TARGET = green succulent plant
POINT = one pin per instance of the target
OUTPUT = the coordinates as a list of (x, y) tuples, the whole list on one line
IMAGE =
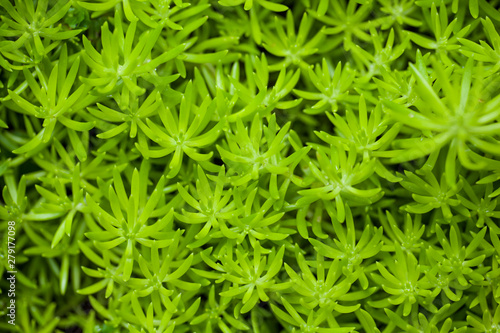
[(249, 166)]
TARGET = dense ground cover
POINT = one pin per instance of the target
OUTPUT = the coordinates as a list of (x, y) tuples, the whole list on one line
[(250, 166)]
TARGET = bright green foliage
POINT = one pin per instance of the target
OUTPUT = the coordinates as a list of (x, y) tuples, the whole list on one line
[(325, 289), (34, 28), (248, 4), (216, 314), (408, 236), (293, 46), (127, 224), (446, 34), (256, 94), (59, 202), (335, 174), (347, 21), (382, 57), (457, 120), (213, 206), (332, 89), (182, 133), (314, 322), (57, 103), (119, 64), (402, 281), (457, 256), (264, 166), (482, 51), (248, 278), (429, 194), (352, 252), (247, 156), (368, 133)]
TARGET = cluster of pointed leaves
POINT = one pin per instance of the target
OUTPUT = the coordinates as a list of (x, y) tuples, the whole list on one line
[(251, 165)]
